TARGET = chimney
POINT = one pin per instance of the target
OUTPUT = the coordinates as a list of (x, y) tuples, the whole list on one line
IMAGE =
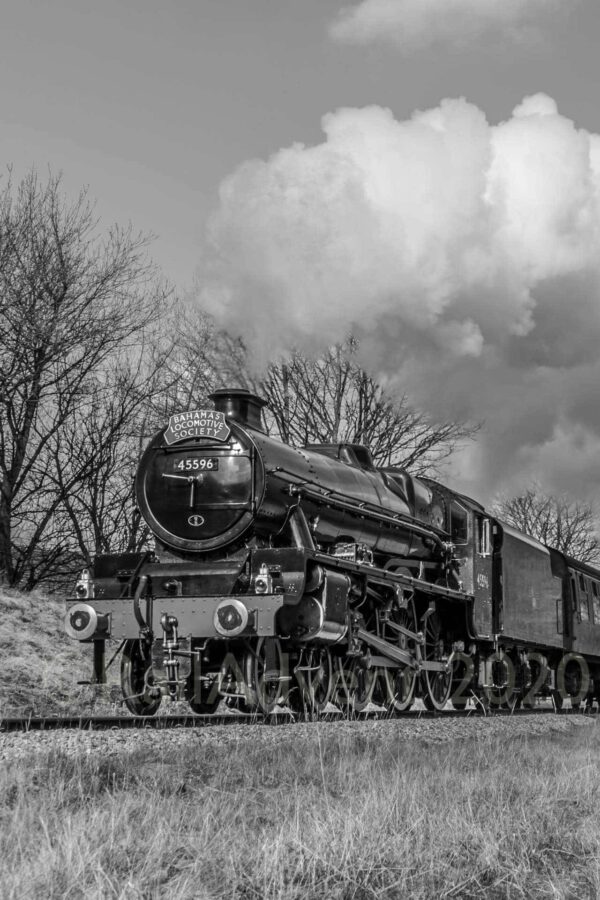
[(240, 405)]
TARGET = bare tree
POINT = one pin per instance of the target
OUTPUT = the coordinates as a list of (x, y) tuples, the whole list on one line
[(96, 451), (333, 399), (201, 358), (567, 525), (323, 400), (73, 302)]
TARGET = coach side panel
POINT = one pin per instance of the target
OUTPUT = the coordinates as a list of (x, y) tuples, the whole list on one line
[(529, 599), (584, 595)]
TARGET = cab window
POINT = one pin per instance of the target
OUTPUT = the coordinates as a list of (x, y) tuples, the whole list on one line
[(484, 543), (459, 523)]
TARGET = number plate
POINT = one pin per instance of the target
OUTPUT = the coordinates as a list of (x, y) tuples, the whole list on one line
[(197, 464)]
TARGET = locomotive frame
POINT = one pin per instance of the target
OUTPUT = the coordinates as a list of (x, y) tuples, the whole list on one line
[(309, 576)]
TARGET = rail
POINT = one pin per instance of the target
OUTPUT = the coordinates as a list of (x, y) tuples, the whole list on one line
[(280, 717)]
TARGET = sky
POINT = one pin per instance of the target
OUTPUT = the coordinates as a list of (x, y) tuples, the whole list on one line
[(425, 173)]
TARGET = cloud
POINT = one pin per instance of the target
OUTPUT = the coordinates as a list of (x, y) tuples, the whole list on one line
[(464, 255), (418, 23)]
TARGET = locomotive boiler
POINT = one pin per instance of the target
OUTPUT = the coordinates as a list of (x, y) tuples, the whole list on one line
[(307, 576)]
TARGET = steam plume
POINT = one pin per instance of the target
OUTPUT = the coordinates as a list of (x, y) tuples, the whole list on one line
[(465, 257)]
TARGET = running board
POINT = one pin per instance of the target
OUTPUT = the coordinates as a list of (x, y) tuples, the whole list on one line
[(385, 577)]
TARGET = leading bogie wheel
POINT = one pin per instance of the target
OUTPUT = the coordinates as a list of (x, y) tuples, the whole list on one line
[(262, 669), (202, 696), (314, 682), (140, 696)]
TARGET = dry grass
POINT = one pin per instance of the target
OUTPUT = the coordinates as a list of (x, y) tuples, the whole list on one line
[(333, 816), (39, 665), (339, 816)]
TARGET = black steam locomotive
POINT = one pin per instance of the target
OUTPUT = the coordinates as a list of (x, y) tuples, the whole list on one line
[(309, 576)]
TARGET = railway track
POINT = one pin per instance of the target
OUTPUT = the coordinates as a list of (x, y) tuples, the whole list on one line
[(107, 723)]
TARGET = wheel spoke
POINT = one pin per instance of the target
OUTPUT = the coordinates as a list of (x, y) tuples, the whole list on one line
[(320, 681), (314, 682), (262, 673), (354, 684), (362, 685), (436, 686), (399, 684)]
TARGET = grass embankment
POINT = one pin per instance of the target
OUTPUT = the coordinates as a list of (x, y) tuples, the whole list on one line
[(333, 816), (40, 666)]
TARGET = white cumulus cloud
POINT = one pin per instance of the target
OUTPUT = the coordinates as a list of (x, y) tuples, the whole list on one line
[(464, 255), (417, 23)]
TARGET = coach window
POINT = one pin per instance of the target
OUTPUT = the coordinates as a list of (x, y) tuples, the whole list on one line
[(459, 523), (596, 602), (484, 543), (584, 615), (574, 602)]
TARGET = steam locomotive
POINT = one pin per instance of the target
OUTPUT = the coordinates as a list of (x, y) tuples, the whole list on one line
[(306, 576)]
